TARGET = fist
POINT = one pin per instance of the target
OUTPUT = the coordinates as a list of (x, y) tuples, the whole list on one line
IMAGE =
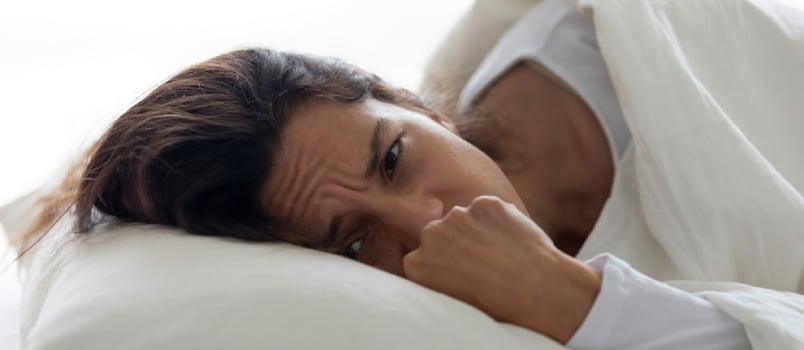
[(495, 258)]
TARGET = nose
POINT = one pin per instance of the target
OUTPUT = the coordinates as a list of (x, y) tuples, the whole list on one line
[(408, 213)]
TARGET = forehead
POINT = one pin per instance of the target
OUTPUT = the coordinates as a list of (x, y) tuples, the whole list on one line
[(331, 135), (324, 127), (322, 159)]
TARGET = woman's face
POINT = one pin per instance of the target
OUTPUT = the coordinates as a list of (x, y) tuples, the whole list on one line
[(365, 178)]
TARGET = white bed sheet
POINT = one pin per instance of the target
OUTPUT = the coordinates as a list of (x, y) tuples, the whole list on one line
[(9, 298)]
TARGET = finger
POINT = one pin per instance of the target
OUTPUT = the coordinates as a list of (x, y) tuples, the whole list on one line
[(488, 209), (492, 208), (411, 265), (457, 224), (436, 275)]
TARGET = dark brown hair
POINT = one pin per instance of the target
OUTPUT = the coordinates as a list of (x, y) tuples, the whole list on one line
[(196, 151)]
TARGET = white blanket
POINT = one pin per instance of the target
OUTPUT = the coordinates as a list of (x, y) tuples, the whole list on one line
[(710, 191)]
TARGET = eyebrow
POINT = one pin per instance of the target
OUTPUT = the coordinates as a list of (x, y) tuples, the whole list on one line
[(374, 148)]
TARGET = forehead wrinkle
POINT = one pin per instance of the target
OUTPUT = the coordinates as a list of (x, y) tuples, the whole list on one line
[(320, 159), (289, 185), (315, 171), (305, 184), (333, 185)]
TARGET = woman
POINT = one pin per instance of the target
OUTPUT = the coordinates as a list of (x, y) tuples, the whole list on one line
[(269, 146)]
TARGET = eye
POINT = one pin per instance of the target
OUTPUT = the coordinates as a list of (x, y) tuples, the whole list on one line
[(391, 158), (354, 249)]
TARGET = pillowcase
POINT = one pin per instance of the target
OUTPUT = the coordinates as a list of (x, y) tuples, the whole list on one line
[(17, 215), (131, 286)]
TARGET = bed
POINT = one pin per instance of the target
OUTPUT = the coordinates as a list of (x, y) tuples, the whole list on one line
[(708, 198), (9, 298)]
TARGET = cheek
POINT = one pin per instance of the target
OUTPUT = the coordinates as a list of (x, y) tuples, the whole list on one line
[(452, 167), (475, 171), (386, 256), (464, 160), (460, 169)]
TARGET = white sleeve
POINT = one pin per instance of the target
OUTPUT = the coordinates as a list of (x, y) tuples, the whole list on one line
[(633, 311)]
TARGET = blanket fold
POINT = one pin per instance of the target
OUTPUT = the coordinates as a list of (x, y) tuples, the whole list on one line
[(713, 93)]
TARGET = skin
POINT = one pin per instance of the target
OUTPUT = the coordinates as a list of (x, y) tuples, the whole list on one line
[(552, 149), (323, 177), (439, 211)]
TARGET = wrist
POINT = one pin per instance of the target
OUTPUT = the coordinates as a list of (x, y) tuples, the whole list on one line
[(587, 282), (574, 288)]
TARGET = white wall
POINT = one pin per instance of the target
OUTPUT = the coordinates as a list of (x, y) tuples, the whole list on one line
[(68, 67)]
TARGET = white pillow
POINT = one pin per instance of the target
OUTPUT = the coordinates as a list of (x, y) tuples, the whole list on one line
[(16, 216), (149, 287)]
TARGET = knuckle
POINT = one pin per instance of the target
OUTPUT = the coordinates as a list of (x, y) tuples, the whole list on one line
[(456, 213), (431, 226), (487, 204)]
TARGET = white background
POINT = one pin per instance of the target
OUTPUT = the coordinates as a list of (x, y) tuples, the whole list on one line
[(67, 68)]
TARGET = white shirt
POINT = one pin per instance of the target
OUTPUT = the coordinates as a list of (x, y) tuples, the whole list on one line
[(632, 311), (562, 40)]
